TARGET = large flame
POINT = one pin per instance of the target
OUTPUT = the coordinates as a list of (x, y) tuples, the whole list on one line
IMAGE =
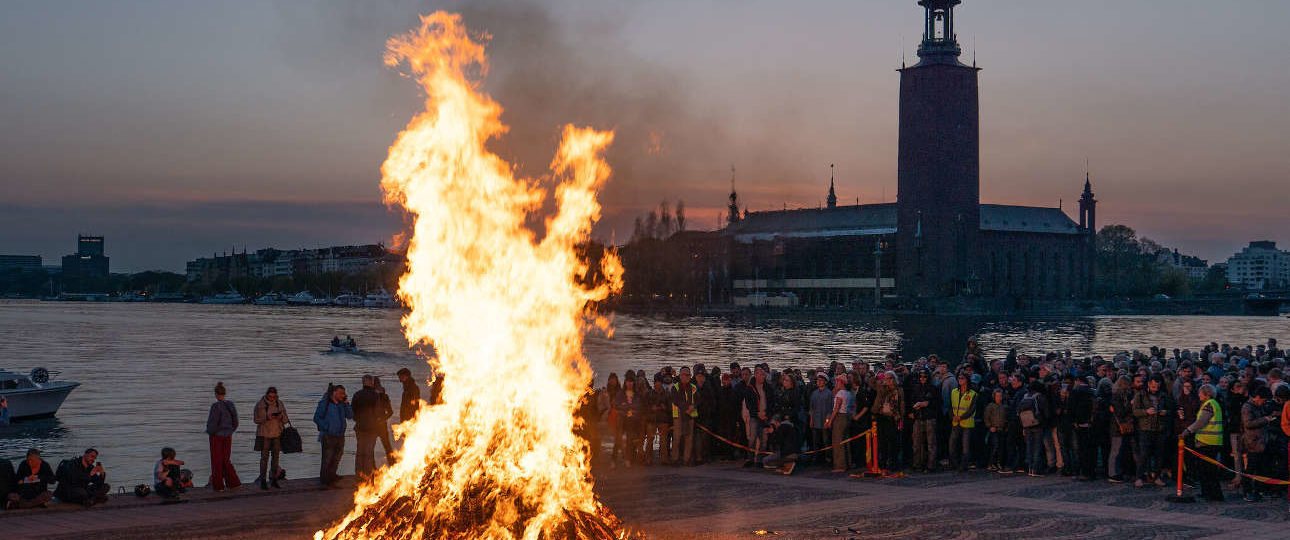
[(503, 308)]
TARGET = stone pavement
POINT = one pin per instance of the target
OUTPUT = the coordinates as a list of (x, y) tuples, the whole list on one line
[(724, 501)]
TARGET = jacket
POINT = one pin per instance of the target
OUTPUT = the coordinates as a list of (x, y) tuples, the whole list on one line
[(683, 398), (787, 402), (996, 416), (1146, 400), (706, 401), (889, 402), (330, 417), (786, 440), (367, 411), (267, 425), (222, 420), (1254, 418), (72, 473), (44, 477), (752, 397), (928, 393), (821, 407), (410, 401), (629, 408), (1082, 406)]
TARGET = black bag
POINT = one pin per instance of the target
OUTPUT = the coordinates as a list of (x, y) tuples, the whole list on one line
[(259, 443), (291, 443)]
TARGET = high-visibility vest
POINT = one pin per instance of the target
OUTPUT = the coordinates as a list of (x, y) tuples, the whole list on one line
[(959, 406), (1211, 434), (676, 411)]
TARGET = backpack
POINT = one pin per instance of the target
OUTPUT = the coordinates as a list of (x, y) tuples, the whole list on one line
[(1028, 411)]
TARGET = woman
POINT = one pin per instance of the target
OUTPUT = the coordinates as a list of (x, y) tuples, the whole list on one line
[(629, 410), (837, 422), (270, 417), (607, 403), (221, 422), (1121, 409)]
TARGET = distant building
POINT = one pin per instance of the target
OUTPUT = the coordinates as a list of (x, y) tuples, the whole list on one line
[(271, 262), (24, 263), (1195, 267), (1259, 266), (937, 240), (89, 260)]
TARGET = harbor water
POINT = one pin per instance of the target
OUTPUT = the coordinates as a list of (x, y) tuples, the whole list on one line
[(147, 370)]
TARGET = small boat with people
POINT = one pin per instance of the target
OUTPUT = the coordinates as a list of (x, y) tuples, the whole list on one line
[(33, 395), (346, 345), (229, 297)]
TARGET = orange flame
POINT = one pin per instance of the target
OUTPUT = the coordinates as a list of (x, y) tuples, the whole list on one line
[(503, 309)]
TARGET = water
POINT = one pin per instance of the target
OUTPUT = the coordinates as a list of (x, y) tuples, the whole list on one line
[(147, 370)]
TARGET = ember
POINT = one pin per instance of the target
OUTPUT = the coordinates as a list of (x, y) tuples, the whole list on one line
[(499, 458)]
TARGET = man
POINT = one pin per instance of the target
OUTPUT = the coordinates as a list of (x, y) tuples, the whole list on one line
[(1081, 413), (785, 442), (33, 478), (1150, 408), (330, 417), (962, 421), (757, 399), (81, 480), (1208, 429), (1255, 418), (706, 403), (367, 427), (684, 412), (821, 407), (410, 403), (889, 406), (925, 402)]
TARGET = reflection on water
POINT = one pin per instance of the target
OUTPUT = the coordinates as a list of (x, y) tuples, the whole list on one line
[(147, 370)]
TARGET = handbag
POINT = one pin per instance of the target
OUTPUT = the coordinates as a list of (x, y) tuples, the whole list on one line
[(291, 443), (1126, 428)]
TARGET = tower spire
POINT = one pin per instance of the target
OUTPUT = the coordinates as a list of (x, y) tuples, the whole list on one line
[(940, 43), (733, 218), (832, 200)]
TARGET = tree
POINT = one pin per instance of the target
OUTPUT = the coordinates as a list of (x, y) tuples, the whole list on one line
[(1127, 265), (664, 221)]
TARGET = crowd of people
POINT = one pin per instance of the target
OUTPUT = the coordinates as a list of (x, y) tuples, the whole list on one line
[(1116, 418), (81, 480)]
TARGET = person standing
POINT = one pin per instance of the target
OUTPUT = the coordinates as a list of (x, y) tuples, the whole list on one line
[(367, 424), (889, 406), (1255, 418), (1151, 408), (330, 417), (706, 403), (684, 412), (1208, 429), (925, 407), (385, 411), (821, 409), (221, 422), (837, 423), (1082, 413), (270, 417), (963, 408), (410, 402)]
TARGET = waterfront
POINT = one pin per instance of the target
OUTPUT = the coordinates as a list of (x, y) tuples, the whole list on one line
[(147, 370)]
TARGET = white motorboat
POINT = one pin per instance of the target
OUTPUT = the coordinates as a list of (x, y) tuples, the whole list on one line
[(271, 299), (381, 299), (348, 300), (33, 395), (230, 297), (302, 298), (320, 302)]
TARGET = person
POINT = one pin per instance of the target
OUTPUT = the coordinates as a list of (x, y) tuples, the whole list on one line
[(757, 399), (82, 480), (270, 418), (8, 482), (684, 412), (1208, 429), (4, 411), (630, 414), (410, 402), (837, 423), (1151, 409), (785, 443), (706, 404), (221, 422), (1082, 412), (367, 427), (335, 341), (821, 410), (166, 475), (996, 421), (386, 411), (889, 406), (330, 417), (33, 478), (349, 344), (1255, 418), (1031, 412), (963, 408), (925, 405)]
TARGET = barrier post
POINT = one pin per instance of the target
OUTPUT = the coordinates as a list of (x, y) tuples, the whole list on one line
[(873, 471), (1178, 496)]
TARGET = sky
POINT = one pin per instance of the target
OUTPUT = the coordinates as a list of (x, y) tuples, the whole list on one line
[(179, 128)]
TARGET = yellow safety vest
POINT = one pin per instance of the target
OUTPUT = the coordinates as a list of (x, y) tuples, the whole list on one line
[(959, 405), (1211, 434), (676, 411)]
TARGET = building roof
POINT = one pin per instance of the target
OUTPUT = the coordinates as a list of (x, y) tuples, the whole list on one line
[(1031, 219), (872, 219), (858, 220)]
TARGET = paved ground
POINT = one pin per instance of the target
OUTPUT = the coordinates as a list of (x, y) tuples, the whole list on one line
[(724, 501)]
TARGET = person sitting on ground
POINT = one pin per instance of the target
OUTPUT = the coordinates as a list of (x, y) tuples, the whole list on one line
[(33, 478), (166, 475), (8, 483), (785, 444), (81, 480)]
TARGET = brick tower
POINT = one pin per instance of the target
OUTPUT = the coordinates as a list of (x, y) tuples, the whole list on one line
[(938, 171)]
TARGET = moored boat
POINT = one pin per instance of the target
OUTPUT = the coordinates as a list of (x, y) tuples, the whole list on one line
[(33, 395), (230, 297)]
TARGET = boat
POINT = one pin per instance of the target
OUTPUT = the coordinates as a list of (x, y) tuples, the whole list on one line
[(348, 300), (33, 395), (344, 348), (271, 299), (320, 302), (302, 298), (230, 297), (382, 299)]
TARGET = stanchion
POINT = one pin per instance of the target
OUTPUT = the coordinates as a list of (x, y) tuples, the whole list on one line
[(874, 471), (1178, 496)]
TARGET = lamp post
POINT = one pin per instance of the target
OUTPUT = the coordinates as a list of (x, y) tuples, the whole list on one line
[(877, 273)]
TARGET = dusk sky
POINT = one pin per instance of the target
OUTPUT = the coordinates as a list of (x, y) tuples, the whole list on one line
[(182, 128)]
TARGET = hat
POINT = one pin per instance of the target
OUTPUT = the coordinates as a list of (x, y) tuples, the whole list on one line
[(822, 375), (976, 378)]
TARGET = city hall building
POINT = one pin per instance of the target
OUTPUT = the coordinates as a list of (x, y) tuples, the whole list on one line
[(937, 240)]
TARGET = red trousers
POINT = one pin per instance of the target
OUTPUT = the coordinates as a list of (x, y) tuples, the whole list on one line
[(222, 472)]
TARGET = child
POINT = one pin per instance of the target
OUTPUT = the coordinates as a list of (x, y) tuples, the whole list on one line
[(166, 474), (996, 420)]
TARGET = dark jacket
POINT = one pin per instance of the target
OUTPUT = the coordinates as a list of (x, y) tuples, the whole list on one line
[(411, 400), (788, 401), (1146, 400), (629, 408), (1254, 418), (222, 420), (367, 411), (786, 439), (72, 474), (706, 401), (1081, 405), (752, 397), (7, 481), (925, 392), (44, 477)]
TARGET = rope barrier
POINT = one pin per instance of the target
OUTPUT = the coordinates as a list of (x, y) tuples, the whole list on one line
[(754, 451), (1254, 477)]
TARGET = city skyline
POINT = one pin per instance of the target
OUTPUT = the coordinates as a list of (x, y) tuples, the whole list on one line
[(182, 129)]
